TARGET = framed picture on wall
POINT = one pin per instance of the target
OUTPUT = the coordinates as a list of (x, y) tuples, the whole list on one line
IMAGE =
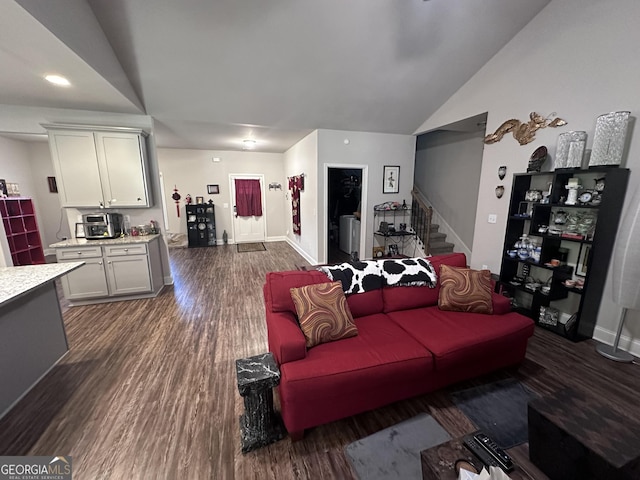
[(391, 179), (53, 186), (213, 189)]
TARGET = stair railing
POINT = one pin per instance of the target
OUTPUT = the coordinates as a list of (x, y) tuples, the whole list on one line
[(421, 215)]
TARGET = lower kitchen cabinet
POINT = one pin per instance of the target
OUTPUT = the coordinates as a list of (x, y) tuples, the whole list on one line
[(128, 275), (87, 281), (112, 272)]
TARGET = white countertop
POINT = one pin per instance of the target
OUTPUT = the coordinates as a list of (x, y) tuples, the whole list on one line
[(83, 242), (17, 281)]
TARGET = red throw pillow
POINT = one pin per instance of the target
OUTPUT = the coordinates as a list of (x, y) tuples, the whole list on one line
[(465, 290), (323, 313)]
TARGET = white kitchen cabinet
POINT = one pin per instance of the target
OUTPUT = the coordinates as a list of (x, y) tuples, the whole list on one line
[(113, 270), (105, 169), (88, 281), (127, 269), (128, 275)]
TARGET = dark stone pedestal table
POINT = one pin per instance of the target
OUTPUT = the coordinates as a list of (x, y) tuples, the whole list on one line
[(260, 425)]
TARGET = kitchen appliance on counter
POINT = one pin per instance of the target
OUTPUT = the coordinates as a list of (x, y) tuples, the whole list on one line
[(102, 225)]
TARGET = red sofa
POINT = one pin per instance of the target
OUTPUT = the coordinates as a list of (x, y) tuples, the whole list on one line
[(406, 346)]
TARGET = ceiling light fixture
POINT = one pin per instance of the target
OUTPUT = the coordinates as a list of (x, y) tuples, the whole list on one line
[(248, 144), (58, 80)]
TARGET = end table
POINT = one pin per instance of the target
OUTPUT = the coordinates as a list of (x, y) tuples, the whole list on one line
[(260, 425)]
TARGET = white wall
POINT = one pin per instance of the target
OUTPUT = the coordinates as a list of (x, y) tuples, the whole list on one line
[(192, 170), (448, 166), (374, 150), (15, 167), (52, 218), (577, 58), (299, 159)]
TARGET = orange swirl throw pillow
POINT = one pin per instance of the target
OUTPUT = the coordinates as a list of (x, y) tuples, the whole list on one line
[(465, 290), (323, 313)]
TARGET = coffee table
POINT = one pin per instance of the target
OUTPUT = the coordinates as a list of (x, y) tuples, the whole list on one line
[(438, 462), (576, 435)]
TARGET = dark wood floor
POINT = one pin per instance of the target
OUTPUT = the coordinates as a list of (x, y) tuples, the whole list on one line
[(148, 388)]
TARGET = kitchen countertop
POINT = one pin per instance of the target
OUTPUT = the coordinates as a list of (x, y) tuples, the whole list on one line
[(18, 281), (83, 242)]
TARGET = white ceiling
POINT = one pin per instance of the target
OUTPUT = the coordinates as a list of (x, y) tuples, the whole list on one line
[(213, 72)]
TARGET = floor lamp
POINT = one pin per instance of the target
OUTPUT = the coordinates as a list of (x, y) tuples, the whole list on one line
[(626, 275)]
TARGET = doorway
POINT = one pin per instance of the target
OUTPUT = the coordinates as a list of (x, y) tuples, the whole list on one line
[(249, 228), (344, 195)]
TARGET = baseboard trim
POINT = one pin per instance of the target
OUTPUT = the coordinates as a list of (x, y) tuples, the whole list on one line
[(304, 254), (276, 239), (626, 343)]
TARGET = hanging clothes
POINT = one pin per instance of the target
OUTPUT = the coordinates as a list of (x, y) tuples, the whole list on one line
[(296, 185), (248, 198)]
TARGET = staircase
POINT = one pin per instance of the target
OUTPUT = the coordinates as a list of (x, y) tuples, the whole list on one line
[(421, 214), (438, 244)]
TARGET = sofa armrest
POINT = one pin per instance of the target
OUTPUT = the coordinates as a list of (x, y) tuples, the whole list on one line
[(286, 340), (501, 304)]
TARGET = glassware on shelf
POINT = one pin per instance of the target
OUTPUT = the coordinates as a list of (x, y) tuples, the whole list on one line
[(524, 248)]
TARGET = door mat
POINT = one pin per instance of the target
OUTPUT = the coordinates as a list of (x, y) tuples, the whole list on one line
[(499, 409), (251, 247), (394, 453)]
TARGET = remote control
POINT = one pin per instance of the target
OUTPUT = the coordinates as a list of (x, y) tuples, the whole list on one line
[(488, 451)]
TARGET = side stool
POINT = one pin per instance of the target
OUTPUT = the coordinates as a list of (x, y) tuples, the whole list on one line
[(260, 425)]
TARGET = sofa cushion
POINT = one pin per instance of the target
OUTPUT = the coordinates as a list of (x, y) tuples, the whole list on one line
[(408, 272), (363, 304), (402, 298), (381, 365), (465, 290), (323, 313), (356, 277), (279, 284), (459, 338)]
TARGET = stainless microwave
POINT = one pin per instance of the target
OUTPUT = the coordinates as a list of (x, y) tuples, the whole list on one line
[(102, 225)]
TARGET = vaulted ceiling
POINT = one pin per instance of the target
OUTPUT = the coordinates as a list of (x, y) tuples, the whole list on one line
[(214, 72)]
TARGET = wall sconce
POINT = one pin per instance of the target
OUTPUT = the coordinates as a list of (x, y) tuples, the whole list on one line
[(275, 186)]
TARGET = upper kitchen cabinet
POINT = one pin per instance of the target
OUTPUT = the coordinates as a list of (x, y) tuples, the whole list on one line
[(100, 168)]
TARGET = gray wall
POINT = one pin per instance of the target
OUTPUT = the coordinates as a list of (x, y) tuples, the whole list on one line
[(447, 171)]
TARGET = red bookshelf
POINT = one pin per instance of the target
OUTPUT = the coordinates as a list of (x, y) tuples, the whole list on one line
[(21, 227)]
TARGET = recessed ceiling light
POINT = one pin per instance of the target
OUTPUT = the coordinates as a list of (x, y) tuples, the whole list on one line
[(57, 80), (248, 144)]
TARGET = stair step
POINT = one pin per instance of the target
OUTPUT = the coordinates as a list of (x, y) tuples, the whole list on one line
[(434, 227), (437, 237), (437, 248)]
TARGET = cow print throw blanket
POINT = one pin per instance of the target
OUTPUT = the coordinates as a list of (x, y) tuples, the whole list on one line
[(408, 272), (356, 277), (359, 277)]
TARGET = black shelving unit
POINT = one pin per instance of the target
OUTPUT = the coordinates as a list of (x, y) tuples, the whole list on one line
[(201, 225), (397, 236), (588, 256)]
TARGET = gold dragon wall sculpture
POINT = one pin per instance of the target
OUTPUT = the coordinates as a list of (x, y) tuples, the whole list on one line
[(524, 132)]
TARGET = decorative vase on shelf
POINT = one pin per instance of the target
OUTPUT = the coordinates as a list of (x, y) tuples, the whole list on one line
[(570, 150), (537, 159), (609, 139)]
